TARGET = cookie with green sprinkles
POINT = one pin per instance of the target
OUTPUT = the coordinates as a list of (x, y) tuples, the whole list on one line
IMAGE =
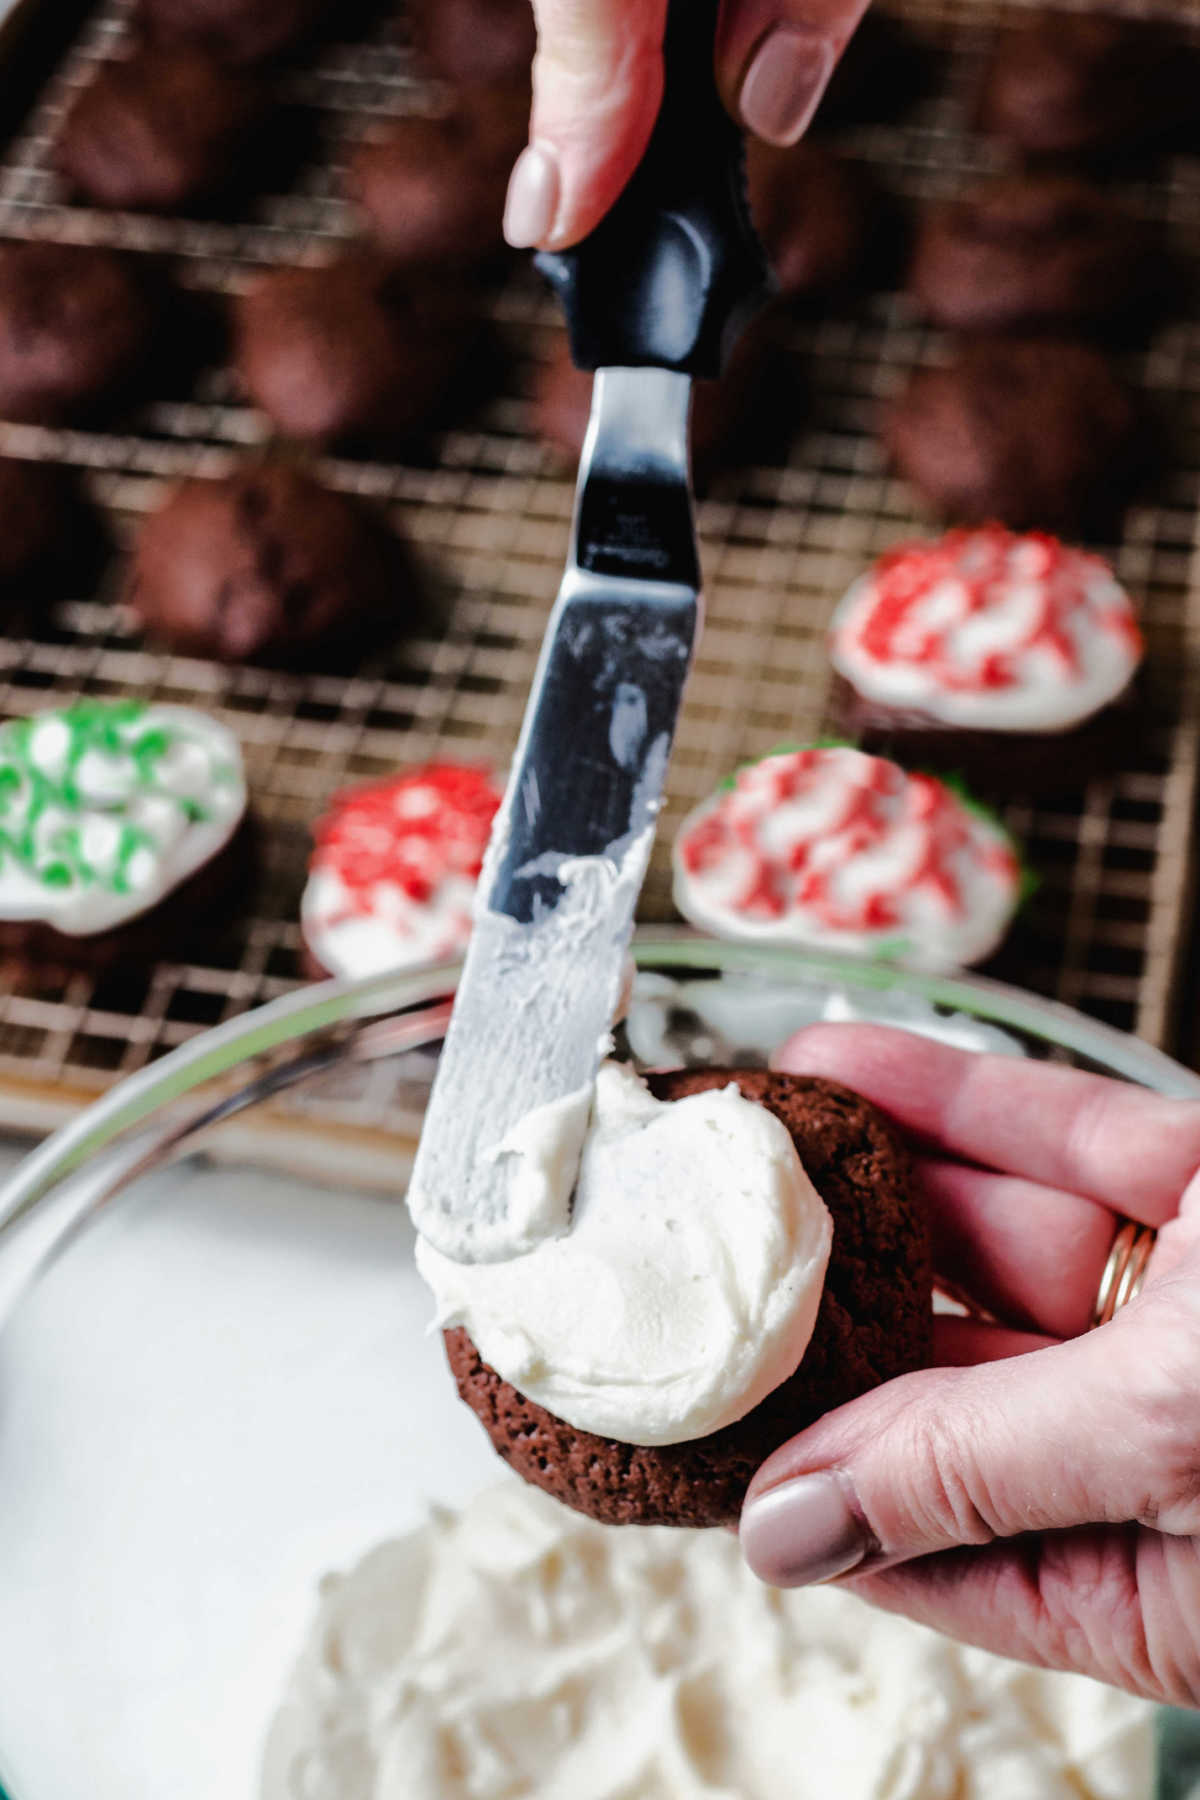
[(119, 821)]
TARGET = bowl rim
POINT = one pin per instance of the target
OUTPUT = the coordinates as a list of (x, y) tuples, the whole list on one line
[(328, 1004), (423, 995)]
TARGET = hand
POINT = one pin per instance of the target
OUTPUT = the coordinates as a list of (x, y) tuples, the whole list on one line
[(1039, 1492), (597, 84)]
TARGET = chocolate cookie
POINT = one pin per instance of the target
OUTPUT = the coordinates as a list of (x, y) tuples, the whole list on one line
[(77, 324), (996, 766), (813, 212), (236, 31), (126, 822), (393, 872), (883, 70), (1084, 83), (1030, 432), (875, 1322), (475, 40), (1034, 252), (433, 188), (162, 130), (265, 563), (200, 909), (1005, 659), (725, 413), (35, 508), (350, 351)]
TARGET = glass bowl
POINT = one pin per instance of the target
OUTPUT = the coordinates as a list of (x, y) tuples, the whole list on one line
[(216, 1379)]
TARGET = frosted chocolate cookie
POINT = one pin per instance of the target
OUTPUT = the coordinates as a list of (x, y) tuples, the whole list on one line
[(118, 823), (351, 352), (77, 326), (265, 563), (235, 31), (840, 850), (988, 654), (745, 1253), (163, 130), (432, 188), (1033, 432), (394, 868), (1037, 252)]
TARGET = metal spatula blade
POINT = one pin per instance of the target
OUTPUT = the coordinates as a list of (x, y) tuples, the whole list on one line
[(651, 299), (569, 851)]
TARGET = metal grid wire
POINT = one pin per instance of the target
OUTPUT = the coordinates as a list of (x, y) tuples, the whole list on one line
[(488, 519)]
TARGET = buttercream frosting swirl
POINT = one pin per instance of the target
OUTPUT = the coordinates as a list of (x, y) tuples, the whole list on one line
[(687, 1285)]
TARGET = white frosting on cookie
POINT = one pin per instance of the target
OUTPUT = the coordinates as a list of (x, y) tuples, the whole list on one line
[(834, 848), (107, 806), (988, 630), (393, 876), (687, 1285)]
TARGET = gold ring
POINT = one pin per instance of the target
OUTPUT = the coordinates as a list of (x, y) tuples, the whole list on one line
[(1125, 1270)]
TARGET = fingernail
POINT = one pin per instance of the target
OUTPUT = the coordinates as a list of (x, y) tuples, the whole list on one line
[(784, 83), (802, 1531), (532, 200)]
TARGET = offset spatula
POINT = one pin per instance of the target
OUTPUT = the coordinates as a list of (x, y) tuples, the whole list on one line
[(653, 298)]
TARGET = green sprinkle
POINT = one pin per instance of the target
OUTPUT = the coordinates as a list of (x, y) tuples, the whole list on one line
[(27, 792)]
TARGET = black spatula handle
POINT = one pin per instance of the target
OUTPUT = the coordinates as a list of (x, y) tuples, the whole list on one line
[(671, 274)]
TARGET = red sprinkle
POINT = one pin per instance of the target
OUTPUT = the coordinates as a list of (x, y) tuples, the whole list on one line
[(903, 579), (414, 831), (804, 870)]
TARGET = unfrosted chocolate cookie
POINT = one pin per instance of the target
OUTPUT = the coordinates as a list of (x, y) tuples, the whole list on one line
[(164, 129), (237, 31), (875, 1322), (725, 413), (1033, 252), (77, 324), (350, 351), (433, 188), (883, 70), (263, 564), (1030, 432), (35, 513), (1065, 84), (475, 40), (814, 213)]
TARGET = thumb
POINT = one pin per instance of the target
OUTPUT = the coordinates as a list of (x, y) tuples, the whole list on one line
[(597, 87), (1087, 1432)]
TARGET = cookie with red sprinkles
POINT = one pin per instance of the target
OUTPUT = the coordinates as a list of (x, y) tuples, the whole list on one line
[(394, 869), (1007, 657), (830, 847)]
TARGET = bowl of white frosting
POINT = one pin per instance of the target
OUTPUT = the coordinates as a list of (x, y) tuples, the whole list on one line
[(252, 1547)]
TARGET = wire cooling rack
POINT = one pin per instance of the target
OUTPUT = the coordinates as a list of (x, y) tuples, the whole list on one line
[(488, 516)]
